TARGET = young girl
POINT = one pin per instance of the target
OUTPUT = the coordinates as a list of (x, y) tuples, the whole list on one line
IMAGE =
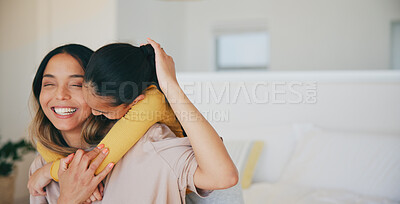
[(122, 86)]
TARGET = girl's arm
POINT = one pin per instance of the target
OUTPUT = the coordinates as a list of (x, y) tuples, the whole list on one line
[(215, 167), (38, 180), (128, 130), (50, 157)]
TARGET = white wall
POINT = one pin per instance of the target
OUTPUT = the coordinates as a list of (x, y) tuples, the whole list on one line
[(17, 64), (308, 34), (29, 30), (162, 21), (91, 23)]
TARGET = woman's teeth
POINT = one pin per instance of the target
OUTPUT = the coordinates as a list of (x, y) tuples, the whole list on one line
[(64, 111)]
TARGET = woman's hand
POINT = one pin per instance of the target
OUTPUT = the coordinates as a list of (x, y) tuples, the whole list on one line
[(165, 67), (77, 181), (40, 179)]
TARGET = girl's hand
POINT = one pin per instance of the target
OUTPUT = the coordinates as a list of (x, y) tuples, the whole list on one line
[(165, 67), (97, 195), (77, 181), (38, 180)]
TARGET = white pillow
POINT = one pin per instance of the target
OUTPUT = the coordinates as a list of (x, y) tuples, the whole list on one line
[(368, 164), (279, 143), (245, 155)]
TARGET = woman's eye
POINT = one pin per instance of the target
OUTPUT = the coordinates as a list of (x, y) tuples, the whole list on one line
[(77, 85), (46, 85)]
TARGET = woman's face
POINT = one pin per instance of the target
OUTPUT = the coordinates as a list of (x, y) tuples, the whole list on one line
[(101, 105), (61, 96)]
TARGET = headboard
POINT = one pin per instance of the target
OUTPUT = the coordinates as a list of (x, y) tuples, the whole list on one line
[(246, 102)]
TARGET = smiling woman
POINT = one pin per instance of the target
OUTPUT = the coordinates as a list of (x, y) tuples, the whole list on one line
[(60, 108), (61, 95)]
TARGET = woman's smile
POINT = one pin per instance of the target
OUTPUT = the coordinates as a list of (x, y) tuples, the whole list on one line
[(64, 111)]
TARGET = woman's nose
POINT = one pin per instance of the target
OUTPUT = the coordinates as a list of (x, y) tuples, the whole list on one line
[(63, 93)]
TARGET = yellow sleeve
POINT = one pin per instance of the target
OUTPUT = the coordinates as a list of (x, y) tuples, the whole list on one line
[(129, 129), (50, 156)]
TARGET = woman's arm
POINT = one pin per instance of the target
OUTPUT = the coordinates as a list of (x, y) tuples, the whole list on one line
[(215, 167)]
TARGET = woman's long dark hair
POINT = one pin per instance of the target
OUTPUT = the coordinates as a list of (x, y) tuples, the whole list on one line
[(121, 72), (41, 129)]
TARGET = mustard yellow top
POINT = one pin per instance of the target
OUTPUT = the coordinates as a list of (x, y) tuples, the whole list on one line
[(128, 130)]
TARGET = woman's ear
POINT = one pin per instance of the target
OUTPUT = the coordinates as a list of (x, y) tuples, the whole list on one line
[(137, 99)]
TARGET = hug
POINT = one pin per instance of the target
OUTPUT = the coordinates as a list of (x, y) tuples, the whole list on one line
[(109, 128)]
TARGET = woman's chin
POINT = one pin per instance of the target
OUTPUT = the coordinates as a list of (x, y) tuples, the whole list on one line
[(66, 126)]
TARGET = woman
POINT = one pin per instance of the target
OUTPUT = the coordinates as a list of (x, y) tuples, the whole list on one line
[(210, 168), (58, 86)]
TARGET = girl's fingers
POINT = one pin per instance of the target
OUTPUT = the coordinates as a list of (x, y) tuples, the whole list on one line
[(156, 46), (34, 193), (38, 193), (101, 188), (64, 162), (97, 194), (88, 200), (92, 198), (41, 192)]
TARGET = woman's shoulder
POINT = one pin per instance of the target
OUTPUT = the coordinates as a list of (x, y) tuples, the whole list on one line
[(162, 140), (159, 132)]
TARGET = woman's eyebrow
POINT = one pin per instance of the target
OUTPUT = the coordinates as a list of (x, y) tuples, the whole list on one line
[(71, 76), (48, 75), (76, 76)]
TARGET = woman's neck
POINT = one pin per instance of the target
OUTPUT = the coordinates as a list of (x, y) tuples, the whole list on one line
[(74, 138)]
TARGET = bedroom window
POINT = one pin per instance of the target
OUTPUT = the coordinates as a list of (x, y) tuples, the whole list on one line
[(242, 50)]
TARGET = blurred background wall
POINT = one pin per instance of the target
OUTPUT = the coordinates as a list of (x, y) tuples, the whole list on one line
[(29, 30), (304, 35)]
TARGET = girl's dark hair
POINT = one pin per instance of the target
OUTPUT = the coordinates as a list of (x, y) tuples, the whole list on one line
[(41, 128), (121, 71)]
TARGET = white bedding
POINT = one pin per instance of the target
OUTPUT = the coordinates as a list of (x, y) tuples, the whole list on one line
[(285, 193)]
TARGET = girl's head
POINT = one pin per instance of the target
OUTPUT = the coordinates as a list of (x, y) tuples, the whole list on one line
[(116, 76), (60, 107)]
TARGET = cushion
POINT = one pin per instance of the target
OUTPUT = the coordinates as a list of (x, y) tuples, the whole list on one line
[(364, 163), (279, 142), (245, 155)]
